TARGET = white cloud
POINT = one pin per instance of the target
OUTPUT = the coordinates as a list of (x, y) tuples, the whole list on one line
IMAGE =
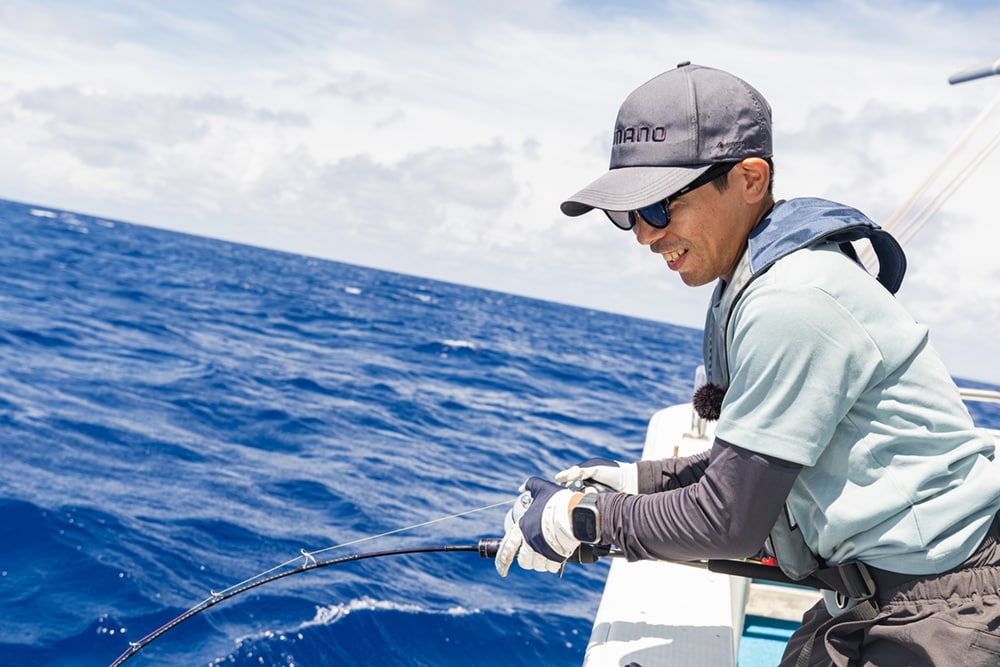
[(438, 137)]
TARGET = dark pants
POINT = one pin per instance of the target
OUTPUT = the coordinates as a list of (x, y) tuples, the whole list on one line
[(944, 620)]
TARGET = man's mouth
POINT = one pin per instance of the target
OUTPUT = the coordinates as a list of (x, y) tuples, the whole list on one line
[(673, 256)]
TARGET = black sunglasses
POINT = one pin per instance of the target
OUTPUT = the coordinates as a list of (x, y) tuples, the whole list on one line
[(658, 214)]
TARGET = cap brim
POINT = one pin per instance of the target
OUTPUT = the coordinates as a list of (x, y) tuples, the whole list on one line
[(631, 188)]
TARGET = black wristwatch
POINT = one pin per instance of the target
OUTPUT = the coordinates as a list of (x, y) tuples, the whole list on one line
[(587, 520)]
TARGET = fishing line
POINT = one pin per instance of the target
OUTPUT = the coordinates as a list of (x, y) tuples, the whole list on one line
[(485, 548)]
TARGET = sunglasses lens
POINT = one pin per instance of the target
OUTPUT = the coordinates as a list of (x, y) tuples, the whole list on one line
[(656, 214), (622, 219)]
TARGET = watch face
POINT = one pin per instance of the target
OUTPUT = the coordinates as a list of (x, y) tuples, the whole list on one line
[(585, 524)]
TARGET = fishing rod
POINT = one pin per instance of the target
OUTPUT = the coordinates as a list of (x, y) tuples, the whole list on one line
[(486, 547)]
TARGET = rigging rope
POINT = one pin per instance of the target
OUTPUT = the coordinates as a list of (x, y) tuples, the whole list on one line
[(917, 222), (867, 254)]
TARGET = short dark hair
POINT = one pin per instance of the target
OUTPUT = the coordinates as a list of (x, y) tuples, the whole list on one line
[(722, 182)]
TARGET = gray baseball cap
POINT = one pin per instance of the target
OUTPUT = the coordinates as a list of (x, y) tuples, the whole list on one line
[(670, 130)]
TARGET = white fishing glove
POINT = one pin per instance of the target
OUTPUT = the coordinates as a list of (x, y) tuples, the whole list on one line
[(538, 530), (513, 538), (616, 476)]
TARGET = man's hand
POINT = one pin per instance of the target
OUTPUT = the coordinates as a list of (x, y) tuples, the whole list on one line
[(616, 476), (538, 529)]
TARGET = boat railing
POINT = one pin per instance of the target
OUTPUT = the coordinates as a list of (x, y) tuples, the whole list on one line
[(982, 396)]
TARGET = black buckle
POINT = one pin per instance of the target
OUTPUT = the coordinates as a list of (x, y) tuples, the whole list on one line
[(857, 580)]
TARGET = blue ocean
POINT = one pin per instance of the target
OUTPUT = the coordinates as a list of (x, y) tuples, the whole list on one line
[(180, 414)]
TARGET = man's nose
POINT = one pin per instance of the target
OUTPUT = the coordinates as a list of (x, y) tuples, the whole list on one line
[(646, 233)]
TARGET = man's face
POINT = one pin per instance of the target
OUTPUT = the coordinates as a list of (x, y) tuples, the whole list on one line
[(706, 235)]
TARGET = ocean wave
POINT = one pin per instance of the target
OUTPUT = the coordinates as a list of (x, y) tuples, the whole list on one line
[(333, 613)]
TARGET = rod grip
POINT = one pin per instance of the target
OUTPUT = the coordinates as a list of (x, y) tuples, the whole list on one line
[(586, 553)]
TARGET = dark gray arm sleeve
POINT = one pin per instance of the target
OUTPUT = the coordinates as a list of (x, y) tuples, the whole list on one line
[(656, 476), (727, 512)]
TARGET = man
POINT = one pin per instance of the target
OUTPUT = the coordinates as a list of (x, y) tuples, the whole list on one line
[(841, 440)]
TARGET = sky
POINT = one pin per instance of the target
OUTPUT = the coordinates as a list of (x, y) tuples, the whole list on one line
[(438, 137)]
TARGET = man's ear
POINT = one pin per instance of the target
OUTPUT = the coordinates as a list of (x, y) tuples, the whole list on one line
[(754, 179)]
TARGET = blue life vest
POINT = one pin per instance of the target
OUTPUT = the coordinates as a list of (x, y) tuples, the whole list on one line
[(793, 225)]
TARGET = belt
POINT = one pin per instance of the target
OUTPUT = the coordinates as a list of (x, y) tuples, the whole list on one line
[(859, 581), (852, 580)]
